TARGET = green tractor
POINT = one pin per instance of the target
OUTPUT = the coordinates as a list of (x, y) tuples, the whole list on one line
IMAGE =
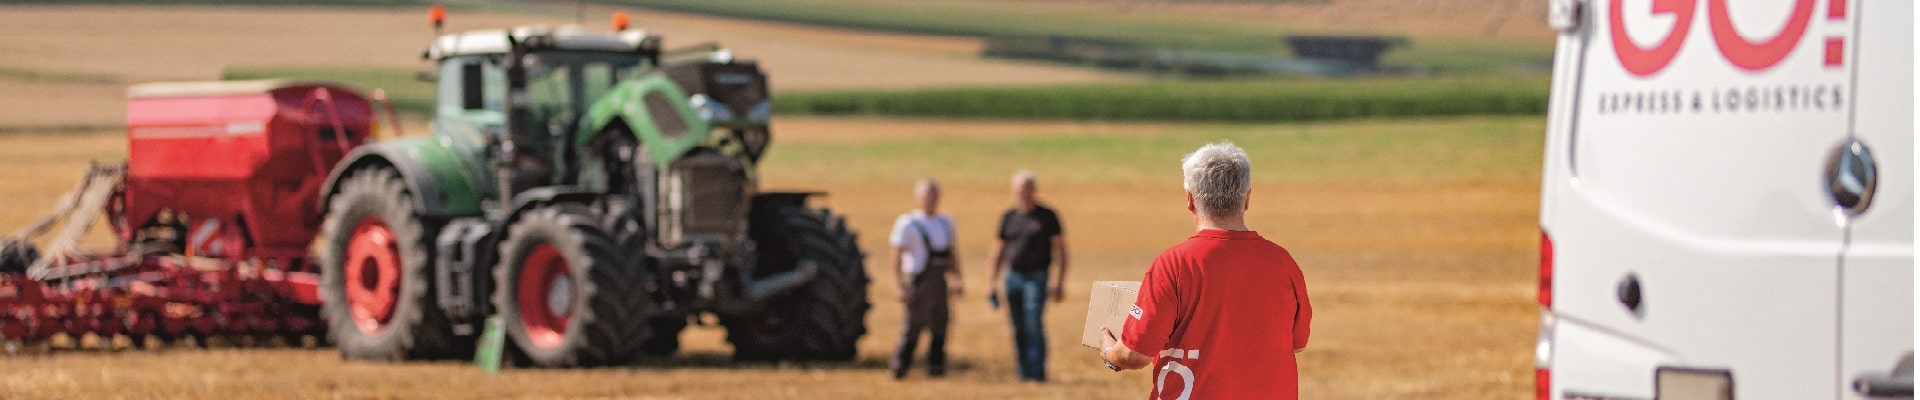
[(596, 195)]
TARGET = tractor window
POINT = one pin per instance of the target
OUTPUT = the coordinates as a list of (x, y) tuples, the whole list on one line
[(473, 88), (562, 85), (597, 76), (552, 90), (470, 79)]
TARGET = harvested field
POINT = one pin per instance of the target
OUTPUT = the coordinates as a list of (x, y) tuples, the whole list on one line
[(69, 65), (1416, 238)]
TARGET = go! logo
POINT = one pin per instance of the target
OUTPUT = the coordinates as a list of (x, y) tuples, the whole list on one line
[(1749, 55)]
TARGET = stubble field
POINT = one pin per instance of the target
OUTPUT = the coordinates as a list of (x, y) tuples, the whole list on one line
[(1417, 237)]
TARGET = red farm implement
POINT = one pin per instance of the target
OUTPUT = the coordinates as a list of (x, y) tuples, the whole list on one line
[(213, 213)]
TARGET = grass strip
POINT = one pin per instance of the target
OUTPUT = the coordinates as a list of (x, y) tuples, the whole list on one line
[(1448, 150), (1214, 101), (408, 93)]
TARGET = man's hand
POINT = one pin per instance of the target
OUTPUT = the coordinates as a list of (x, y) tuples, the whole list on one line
[(993, 293), (1058, 294), (1119, 355)]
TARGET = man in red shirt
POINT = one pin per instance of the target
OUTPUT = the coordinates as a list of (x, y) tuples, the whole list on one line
[(1220, 315)]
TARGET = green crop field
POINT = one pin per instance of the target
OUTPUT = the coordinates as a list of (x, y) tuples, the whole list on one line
[(409, 94), (1235, 101), (1251, 33), (973, 18), (1472, 150), (1166, 100)]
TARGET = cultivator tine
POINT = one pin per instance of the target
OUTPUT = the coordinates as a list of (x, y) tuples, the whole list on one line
[(76, 213)]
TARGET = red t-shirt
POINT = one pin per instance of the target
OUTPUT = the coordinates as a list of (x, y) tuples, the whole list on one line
[(1222, 313)]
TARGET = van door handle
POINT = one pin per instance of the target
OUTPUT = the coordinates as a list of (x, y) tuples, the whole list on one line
[(1899, 383), (1851, 177)]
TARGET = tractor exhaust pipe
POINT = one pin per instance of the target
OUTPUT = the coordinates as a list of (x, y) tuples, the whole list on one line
[(781, 283), (755, 292)]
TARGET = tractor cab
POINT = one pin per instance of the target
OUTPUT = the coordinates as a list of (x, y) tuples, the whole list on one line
[(518, 94)]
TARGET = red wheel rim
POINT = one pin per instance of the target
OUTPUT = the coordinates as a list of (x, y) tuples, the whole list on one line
[(545, 296), (372, 274)]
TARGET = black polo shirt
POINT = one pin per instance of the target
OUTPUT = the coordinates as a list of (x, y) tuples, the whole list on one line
[(1029, 237)]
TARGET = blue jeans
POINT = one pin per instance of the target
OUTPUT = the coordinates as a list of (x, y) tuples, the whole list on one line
[(1026, 298)]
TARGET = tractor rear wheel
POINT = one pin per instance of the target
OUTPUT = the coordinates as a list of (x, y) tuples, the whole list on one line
[(565, 296), (821, 320), (17, 255), (376, 274)]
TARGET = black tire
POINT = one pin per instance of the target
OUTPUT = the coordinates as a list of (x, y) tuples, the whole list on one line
[(17, 255), (413, 327), (605, 316), (822, 320), (665, 338)]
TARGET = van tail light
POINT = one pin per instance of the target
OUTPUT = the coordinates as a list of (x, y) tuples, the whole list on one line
[(1542, 390), (1546, 270), (1543, 357), (1543, 344)]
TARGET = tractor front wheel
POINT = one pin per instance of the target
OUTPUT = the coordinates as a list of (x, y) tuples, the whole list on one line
[(566, 299), (376, 274), (821, 320)]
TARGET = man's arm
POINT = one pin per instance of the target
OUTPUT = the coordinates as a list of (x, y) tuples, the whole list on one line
[(1118, 354), (900, 283), (896, 246), (1303, 315), (999, 266), (1060, 280)]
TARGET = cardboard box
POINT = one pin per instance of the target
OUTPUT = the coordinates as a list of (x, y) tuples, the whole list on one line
[(1111, 302)]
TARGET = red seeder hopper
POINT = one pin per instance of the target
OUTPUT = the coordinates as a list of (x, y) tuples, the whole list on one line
[(212, 213)]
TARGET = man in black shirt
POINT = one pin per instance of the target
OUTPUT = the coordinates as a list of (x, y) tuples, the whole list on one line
[(1029, 241)]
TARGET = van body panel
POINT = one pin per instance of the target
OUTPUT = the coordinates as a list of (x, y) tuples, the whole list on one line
[(1687, 194)]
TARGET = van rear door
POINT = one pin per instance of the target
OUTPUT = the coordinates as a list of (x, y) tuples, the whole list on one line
[(1693, 233), (1876, 272)]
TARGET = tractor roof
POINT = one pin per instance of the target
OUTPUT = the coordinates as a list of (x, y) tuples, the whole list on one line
[(564, 37)]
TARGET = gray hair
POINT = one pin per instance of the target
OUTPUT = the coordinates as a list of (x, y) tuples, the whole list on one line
[(1218, 175), (925, 185), (1023, 177)]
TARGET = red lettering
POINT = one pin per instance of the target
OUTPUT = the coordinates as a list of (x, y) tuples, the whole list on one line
[(1753, 56), (1643, 62), (1836, 50)]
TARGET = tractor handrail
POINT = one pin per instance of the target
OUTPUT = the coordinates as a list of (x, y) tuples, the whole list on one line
[(322, 95), (393, 118)]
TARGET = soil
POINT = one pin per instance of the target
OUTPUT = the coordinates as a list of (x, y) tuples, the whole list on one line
[(1414, 299)]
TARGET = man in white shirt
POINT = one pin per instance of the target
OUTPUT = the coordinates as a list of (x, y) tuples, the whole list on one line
[(923, 265)]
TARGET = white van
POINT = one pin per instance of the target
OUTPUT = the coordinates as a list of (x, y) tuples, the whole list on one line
[(1726, 204)]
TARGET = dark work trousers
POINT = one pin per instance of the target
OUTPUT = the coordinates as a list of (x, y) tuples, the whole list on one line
[(926, 311), (1026, 299)]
